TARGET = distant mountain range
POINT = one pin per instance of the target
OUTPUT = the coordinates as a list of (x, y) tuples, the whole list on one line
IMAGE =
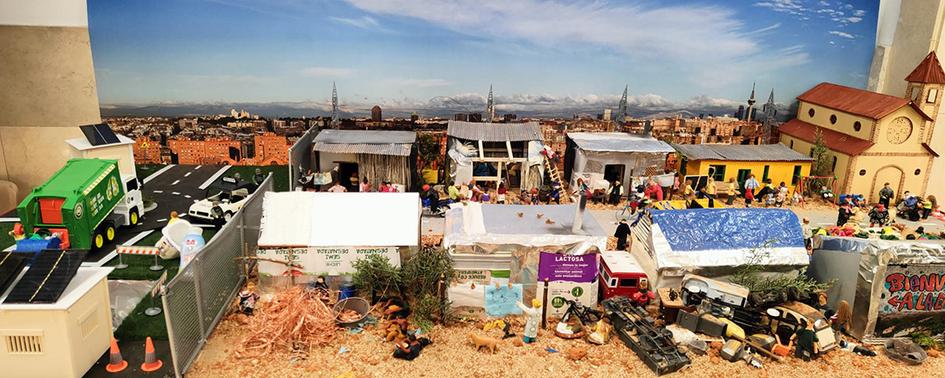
[(542, 106)]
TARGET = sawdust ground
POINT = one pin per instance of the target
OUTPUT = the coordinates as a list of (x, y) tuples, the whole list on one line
[(452, 355)]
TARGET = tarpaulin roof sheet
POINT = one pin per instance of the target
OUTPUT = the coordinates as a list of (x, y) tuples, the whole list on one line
[(500, 224), (739, 152), (618, 142), (494, 132), (372, 142), (321, 219), (727, 237)]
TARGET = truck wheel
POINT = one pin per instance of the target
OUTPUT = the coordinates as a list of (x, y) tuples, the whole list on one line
[(133, 217), (110, 231), (227, 216), (98, 241)]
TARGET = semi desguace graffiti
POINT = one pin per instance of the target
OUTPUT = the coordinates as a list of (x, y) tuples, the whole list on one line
[(913, 299)]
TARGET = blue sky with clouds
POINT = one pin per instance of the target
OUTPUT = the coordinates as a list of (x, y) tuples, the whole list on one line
[(409, 53)]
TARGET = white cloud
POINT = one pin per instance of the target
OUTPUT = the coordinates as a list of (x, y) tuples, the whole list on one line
[(767, 28), (824, 4), (853, 20), (363, 22), (841, 34), (859, 13), (317, 71), (785, 6), (712, 39), (420, 83)]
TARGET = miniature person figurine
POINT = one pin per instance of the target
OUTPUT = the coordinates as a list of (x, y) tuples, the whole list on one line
[(644, 295), (173, 218), (533, 318), (806, 347), (248, 300)]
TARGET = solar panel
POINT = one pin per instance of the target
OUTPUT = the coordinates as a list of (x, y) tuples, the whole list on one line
[(11, 264), (47, 277), (99, 134)]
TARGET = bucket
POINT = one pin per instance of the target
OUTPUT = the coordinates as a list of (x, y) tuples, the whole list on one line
[(347, 290), (357, 304)]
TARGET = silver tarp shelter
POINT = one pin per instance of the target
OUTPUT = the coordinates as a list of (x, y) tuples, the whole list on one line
[(625, 156), (894, 287)]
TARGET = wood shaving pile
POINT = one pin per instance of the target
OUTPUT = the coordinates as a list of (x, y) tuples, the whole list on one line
[(294, 317), (431, 240)]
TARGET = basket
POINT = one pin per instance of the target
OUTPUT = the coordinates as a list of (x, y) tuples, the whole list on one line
[(358, 304)]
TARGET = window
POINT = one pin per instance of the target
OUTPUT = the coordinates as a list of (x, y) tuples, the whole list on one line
[(862, 172), (833, 166), (833, 119), (717, 172), (811, 153), (811, 112), (917, 171), (933, 93), (796, 176), (857, 126), (628, 282), (131, 185), (792, 144), (764, 176)]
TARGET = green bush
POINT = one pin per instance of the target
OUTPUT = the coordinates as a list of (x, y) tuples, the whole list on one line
[(376, 275), (421, 274)]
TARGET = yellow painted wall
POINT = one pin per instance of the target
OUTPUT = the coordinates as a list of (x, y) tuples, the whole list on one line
[(913, 144), (873, 164), (843, 160), (778, 170), (844, 124)]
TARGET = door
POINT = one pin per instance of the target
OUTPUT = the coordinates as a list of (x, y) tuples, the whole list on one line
[(891, 174), (614, 172), (742, 176), (347, 174)]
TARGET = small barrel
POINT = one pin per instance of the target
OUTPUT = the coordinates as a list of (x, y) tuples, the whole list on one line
[(347, 290)]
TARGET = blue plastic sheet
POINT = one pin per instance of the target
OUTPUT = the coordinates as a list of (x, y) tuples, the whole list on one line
[(742, 228), (501, 301)]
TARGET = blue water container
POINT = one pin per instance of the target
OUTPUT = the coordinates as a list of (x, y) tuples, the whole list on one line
[(348, 290)]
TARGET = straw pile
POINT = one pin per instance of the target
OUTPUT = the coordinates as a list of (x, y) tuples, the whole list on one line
[(294, 319)]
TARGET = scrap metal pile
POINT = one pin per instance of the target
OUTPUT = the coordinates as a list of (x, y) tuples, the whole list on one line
[(295, 318), (655, 346)]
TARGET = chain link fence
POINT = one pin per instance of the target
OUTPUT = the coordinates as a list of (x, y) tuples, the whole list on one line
[(197, 298), (300, 157)]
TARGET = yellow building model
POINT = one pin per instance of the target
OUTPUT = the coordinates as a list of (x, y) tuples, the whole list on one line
[(723, 162), (872, 138)]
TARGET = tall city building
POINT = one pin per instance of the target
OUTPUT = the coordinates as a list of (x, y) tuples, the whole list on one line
[(376, 114), (770, 110), (749, 111), (334, 106), (48, 88), (906, 33), (490, 106), (622, 107)]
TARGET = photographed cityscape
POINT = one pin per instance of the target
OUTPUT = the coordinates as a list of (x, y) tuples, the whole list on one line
[(472, 188)]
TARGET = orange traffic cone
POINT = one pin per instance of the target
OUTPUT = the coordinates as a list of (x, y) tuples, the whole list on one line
[(115, 362), (151, 362)]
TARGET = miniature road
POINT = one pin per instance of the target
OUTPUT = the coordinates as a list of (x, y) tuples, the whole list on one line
[(175, 190)]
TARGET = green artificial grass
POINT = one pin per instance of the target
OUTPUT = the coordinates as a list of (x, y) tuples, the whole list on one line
[(138, 326), (145, 170), (280, 174), (5, 239)]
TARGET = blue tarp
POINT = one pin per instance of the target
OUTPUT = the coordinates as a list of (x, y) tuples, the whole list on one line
[(731, 229)]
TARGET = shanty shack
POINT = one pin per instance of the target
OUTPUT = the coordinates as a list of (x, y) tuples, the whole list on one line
[(324, 234), (495, 152), (895, 288), (372, 155), (600, 158), (503, 244), (715, 242)]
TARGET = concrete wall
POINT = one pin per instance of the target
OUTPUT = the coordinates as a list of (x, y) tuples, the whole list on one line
[(48, 87)]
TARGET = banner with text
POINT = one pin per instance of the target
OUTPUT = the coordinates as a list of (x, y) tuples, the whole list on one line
[(320, 260), (584, 293), (572, 268)]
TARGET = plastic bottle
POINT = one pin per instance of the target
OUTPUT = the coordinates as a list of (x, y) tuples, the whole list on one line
[(193, 243)]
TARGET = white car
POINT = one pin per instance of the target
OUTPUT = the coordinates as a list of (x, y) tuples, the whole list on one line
[(220, 207)]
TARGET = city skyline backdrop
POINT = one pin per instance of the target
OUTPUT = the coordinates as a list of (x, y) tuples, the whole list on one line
[(438, 57)]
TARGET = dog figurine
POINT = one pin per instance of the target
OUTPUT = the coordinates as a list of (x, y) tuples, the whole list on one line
[(482, 341)]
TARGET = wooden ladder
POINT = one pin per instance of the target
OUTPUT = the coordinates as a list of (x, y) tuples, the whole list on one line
[(552, 170)]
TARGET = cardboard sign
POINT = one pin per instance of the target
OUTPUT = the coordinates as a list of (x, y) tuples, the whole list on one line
[(584, 293), (483, 277), (918, 289), (501, 301), (571, 268), (315, 261)]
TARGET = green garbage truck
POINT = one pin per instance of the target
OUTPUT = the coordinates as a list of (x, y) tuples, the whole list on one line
[(83, 203)]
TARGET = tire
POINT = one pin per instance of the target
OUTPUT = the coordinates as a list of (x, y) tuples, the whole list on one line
[(133, 217), (98, 240), (227, 216), (110, 231)]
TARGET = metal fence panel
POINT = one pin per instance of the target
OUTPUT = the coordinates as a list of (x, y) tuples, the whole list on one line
[(300, 156), (197, 298)]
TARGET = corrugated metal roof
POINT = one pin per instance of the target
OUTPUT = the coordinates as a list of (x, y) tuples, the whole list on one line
[(856, 101), (374, 142), (833, 139), (334, 136), (738, 152), (618, 142), (395, 149), (494, 132)]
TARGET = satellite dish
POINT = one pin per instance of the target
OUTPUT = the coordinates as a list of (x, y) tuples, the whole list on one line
[(773, 312)]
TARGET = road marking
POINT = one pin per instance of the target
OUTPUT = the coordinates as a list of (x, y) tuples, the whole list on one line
[(175, 182), (202, 225), (214, 177), (162, 220), (157, 173), (175, 193), (4, 220), (181, 215), (157, 191), (188, 174), (197, 167), (114, 253), (187, 196)]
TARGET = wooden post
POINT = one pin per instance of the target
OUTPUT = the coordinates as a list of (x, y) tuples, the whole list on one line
[(440, 291), (544, 306)]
